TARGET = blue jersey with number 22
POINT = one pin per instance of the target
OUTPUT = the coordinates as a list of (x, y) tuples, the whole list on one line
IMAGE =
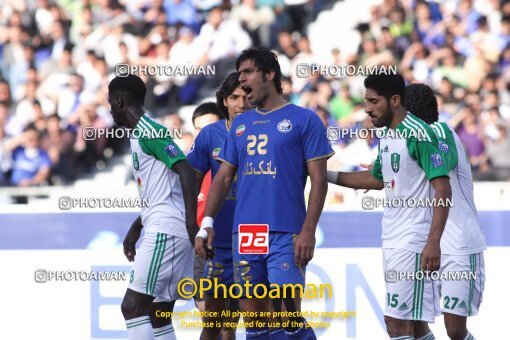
[(270, 151)]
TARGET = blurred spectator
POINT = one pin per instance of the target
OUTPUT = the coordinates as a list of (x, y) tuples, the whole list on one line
[(306, 57), (91, 150), (221, 38), (30, 163), (255, 20), (72, 97), (341, 105), (470, 133), (58, 143), (286, 45), (501, 146), (298, 13), (181, 12)]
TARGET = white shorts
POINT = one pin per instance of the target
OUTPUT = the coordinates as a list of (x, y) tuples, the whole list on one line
[(414, 297), (160, 263), (462, 283)]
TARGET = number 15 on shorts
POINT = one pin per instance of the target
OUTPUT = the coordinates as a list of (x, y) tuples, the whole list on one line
[(253, 238)]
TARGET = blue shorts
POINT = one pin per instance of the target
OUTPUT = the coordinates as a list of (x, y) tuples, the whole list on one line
[(275, 267), (220, 267)]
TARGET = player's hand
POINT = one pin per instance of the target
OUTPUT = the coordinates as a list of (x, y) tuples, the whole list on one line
[(304, 247), (203, 246), (369, 167), (129, 243), (431, 257)]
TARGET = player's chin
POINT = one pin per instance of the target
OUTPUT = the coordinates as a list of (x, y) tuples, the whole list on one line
[(377, 122), (253, 100)]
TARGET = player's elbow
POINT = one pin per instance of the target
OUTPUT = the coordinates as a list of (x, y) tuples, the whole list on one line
[(442, 187), (186, 174), (227, 180)]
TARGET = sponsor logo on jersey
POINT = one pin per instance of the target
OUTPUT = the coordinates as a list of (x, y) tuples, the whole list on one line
[(285, 266), (216, 152), (192, 147), (443, 147), (462, 305), (386, 149), (284, 126), (138, 183), (253, 239), (171, 150), (436, 160), (136, 163), (390, 184), (395, 162), (240, 130)]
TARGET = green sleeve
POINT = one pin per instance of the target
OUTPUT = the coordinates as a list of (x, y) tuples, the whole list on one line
[(447, 145), (427, 155), (376, 170), (163, 149)]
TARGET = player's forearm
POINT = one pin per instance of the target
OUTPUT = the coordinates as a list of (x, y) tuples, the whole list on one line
[(137, 224), (440, 211), (217, 194), (199, 179), (316, 199), (355, 180), (189, 193)]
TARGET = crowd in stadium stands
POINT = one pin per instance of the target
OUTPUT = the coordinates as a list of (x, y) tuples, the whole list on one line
[(57, 58)]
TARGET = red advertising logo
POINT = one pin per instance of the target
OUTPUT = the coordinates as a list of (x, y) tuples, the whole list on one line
[(253, 238)]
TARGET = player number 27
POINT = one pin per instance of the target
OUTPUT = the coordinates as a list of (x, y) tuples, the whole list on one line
[(259, 143), (447, 300)]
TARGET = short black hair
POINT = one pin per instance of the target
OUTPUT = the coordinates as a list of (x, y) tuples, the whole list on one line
[(204, 109), (421, 102), (132, 85), (229, 85), (30, 127), (266, 61), (387, 85)]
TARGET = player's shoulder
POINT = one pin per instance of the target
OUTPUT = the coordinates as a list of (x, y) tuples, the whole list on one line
[(417, 130), (442, 130), (300, 111), (148, 123), (213, 127)]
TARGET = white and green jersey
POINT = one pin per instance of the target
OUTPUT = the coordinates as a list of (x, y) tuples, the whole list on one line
[(462, 234), (153, 159), (408, 159)]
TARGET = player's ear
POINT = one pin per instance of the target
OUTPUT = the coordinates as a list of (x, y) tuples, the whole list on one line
[(395, 100), (120, 101), (269, 76)]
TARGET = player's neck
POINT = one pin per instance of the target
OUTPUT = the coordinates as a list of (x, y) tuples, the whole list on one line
[(133, 117), (398, 117), (271, 102)]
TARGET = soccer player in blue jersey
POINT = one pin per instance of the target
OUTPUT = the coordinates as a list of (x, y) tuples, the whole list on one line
[(231, 99), (272, 149)]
